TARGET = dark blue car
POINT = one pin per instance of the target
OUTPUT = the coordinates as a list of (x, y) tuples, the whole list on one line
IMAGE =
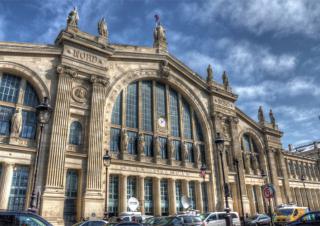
[(16, 218), (311, 218)]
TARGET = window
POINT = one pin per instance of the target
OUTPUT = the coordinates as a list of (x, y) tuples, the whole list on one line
[(192, 194), (5, 117), (163, 147), (147, 105), (71, 194), (177, 148), (148, 199), (161, 100), (113, 194), (164, 197), (29, 122), (190, 152), (246, 143), (174, 114), (18, 189), (30, 96), (9, 88), (187, 129), (179, 196), (115, 138), (132, 145), (116, 111), (131, 187), (132, 106), (148, 146), (75, 136), (199, 134)]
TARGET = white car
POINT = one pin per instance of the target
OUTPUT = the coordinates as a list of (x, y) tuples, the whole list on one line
[(218, 218)]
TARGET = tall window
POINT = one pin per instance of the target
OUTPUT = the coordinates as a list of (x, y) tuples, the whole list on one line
[(29, 121), (164, 197), (71, 193), (115, 138), (131, 187), (199, 134), (113, 194), (190, 152), (174, 114), (5, 117), (192, 194), (163, 147), (116, 111), (202, 153), (177, 148), (187, 130), (132, 146), (9, 88), (132, 106), (147, 105), (179, 206), (148, 198), (148, 146), (75, 136), (161, 100), (19, 186), (30, 96), (204, 197)]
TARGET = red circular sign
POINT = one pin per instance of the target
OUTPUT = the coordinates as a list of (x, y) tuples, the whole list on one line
[(268, 191)]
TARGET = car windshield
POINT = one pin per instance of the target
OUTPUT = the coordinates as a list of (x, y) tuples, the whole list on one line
[(204, 216), (233, 215), (284, 212)]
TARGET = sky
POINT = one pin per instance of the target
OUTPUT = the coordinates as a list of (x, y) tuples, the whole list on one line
[(270, 49)]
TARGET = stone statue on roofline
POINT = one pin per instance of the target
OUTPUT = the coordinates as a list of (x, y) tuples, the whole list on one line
[(73, 18), (260, 115), (209, 74), (225, 80), (159, 35), (102, 28), (272, 119)]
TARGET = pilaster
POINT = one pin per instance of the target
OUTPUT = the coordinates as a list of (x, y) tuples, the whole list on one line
[(172, 196), (5, 186), (140, 192), (199, 203), (156, 196), (123, 193)]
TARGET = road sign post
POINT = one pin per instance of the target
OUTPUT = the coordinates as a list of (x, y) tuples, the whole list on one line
[(268, 193)]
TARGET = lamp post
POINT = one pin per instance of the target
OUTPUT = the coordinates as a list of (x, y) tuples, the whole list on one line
[(236, 163), (303, 178), (106, 162), (43, 114), (219, 141)]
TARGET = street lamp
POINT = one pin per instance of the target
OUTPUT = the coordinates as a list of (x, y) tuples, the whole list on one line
[(106, 162), (44, 111), (219, 141), (236, 163), (303, 178)]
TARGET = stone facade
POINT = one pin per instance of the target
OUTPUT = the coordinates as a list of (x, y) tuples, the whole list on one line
[(83, 75)]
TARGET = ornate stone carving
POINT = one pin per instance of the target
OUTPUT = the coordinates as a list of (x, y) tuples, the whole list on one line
[(61, 69), (157, 146), (99, 79), (197, 153), (255, 162), (225, 80), (73, 18), (272, 119), (124, 141), (102, 28), (80, 94), (185, 152), (16, 123), (247, 157), (209, 74), (165, 70), (260, 115), (141, 144), (159, 37)]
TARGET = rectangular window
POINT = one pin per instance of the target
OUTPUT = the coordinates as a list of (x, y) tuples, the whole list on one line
[(115, 138), (161, 100), (132, 145), (199, 134), (164, 197), (179, 196), (9, 88), (190, 152), (30, 96), (192, 195), (148, 146), (177, 149), (147, 105), (116, 111), (163, 147), (174, 114), (187, 129), (71, 194), (113, 195), (204, 197), (19, 186), (5, 117), (148, 199), (29, 123), (132, 106)]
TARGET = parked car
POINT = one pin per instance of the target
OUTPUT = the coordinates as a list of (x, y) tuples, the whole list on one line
[(288, 213), (129, 224), (258, 219), (10, 218), (311, 218), (176, 220), (92, 223), (219, 218)]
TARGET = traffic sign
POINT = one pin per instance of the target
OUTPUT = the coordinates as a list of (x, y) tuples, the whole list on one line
[(268, 191)]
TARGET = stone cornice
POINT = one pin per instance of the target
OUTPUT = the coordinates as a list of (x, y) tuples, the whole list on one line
[(297, 156), (26, 48)]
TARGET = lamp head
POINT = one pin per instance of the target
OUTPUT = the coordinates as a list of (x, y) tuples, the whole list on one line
[(303, 178), (107, 159), (44, 111)]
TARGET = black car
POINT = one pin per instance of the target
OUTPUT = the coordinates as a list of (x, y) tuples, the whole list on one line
[(258, 219), (16, 218), (311, 218)]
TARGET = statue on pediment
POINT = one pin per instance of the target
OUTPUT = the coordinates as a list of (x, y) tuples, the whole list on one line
[(73, 18), (16, 123), (209, 74), (272, 119), (171, 151), (141, 143), (225, 80), (102, 28), (124, 141), (157, 146), (260, 115), (159, 35)]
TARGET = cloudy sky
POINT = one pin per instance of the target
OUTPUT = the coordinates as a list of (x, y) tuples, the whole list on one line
[(269, 48)]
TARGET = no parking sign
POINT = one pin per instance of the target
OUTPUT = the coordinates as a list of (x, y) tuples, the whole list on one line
[(268, 191)]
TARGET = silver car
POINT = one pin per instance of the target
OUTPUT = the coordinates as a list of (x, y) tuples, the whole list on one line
[(218, 218)]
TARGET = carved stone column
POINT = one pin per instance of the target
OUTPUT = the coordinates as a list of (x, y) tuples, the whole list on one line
[(238, 155), (199, 203), (298, 196), (5, 186), (140, 192), (172, 196), (123, 193), (93, 201), (259, 198), (156, 196), (274, 176), (185, 188), (251, 199), (53, 197)]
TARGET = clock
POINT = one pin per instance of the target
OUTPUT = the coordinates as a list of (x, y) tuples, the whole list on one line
[(162, 122)]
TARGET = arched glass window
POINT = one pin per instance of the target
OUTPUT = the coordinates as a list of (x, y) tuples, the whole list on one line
[(16, 93), (154, 109), (248, 144), (75, 135)]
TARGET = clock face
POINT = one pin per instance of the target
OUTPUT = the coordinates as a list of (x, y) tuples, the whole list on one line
[(162, 122)]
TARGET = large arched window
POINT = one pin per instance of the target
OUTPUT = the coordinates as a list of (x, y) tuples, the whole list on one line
[(155, 110), (251, 156), (75, 135), (17, 96)]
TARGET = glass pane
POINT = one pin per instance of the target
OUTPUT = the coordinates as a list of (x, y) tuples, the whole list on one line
[(29, 125), (116, 111), (132, 106), (75, 136), (177, 149), (204, 197), (199, 134), (187, 130), (192, 194), (30, 96), (115, 138), (131, 188), (71, 193), (147, 105), (174, 114), (164, 197), (132, 145), (148, 199), (148, 147), (113, 195), (5, 117), (190, 152), (9, 88), (161, 100), (179, 196), (163, 147)]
